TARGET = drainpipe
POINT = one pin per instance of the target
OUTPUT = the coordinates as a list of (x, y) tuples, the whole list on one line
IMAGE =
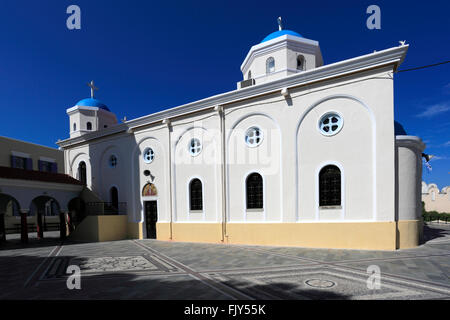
[(221, 113), (169, 127)]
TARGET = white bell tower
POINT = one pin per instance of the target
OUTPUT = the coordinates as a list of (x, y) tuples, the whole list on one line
[(280, 54), (89, 115)]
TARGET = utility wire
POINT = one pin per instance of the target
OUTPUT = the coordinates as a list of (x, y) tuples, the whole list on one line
[(423, 67)]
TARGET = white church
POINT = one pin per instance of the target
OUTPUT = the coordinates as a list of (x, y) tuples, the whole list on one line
[(302, 153)]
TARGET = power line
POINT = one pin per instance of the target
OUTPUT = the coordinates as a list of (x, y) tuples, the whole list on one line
[(423, 67)]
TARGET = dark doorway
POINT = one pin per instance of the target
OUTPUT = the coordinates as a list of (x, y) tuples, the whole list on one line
[(2, 228), (114, 194), (82, 172), (151, 217)]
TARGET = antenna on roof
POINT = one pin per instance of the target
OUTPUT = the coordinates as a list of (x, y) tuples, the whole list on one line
[(280, 25)]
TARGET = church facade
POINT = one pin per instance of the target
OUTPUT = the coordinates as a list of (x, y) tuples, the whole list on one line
[(300, 154)]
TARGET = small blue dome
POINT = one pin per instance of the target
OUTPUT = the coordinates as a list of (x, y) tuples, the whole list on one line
[(90, 102), (399, 130), (280, 33)]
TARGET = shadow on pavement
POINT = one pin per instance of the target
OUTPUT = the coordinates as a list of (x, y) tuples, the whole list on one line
[(35, 278), (434, 232)]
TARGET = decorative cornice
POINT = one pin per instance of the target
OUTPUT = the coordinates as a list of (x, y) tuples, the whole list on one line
[(393, 56)]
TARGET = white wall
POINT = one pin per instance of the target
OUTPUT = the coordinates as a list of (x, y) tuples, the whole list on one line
[(289, 157)]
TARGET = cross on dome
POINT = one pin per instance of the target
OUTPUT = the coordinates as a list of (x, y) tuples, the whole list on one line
[(93, 87), (280, 25)]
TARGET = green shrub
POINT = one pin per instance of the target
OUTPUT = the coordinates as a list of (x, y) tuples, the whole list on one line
[(434, 216)]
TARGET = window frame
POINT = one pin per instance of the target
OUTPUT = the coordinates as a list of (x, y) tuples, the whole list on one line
[(190, 146), (43, 164), (195, 209), (261, 137), (145, 151), (329, 114), (246, 189), (268, 68), (80, 177), (320, 204)]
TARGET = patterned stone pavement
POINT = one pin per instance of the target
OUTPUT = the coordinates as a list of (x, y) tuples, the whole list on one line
[(151, 269)]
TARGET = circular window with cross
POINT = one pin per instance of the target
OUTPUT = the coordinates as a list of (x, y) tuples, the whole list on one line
[(330, 123), (148, 155), (195, 147)]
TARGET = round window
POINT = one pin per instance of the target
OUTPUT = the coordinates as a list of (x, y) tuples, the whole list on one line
[(113, 161), (330, 124), (253, 137), (149, 155), (195, 147)]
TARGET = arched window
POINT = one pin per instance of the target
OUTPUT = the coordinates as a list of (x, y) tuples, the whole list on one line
[(270, 65), (330, 186), (255, 194), (195, 195), (114, 198), (82, 172), (249, 75), (89, 126), (300, 62), (74, 126)]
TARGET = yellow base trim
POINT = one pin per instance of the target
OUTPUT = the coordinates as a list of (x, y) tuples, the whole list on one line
[(163, 231), (339, 235), (101, 228), (409, 233), (135, 230), (190, 232)]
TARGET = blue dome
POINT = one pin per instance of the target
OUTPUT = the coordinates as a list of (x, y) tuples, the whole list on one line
[(90, 102), (280, 33), (399, 130)]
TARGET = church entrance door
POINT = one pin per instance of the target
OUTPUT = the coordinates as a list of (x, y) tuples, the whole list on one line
[(151, 217)]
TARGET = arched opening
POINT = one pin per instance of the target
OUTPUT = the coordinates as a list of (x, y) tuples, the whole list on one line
[(74, 126), (330, 186), (89, 126), (270, 65), (249, 75), (195, 195), (9, 211), (114, 198), (48, 217), (77, 212), (254, 191), (82, 172), (300, 63)]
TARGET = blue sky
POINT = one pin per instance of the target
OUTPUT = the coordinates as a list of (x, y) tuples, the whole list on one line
[(147, 56)]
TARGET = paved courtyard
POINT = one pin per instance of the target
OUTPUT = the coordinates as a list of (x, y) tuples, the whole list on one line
[(151, 269)]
